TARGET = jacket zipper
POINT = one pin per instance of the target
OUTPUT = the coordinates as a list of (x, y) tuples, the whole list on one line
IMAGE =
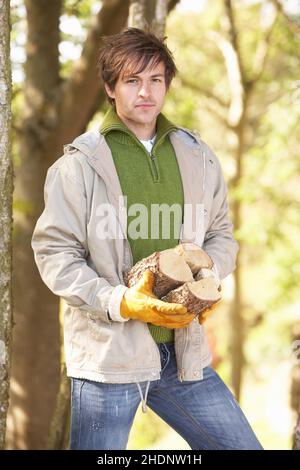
[(181, 372)]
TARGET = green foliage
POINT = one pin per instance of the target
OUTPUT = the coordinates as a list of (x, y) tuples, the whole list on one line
[(80, 9), (268, 189)]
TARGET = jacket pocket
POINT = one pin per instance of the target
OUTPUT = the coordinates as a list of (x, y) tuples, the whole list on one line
[(98, 330)]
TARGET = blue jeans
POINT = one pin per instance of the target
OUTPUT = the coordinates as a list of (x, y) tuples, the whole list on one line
[(203, 412)]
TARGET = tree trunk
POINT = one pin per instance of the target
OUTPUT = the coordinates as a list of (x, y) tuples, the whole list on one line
[(6, 192), (137, 14), (60, 424), (295, 387), (159, 21), (150, 13)]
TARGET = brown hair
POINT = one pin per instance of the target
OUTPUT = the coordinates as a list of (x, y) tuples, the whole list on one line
[(132, 50)]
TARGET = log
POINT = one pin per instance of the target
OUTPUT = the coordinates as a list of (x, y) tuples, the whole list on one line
[(194, 256), (170, 271), (201, 275), (196, 296)]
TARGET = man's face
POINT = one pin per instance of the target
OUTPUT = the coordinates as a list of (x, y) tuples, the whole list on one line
[(139, 98)]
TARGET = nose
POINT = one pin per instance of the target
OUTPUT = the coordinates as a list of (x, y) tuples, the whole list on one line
[(144, 90)]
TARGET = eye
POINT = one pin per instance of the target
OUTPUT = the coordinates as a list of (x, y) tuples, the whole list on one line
[(157, 80), (131, 80)]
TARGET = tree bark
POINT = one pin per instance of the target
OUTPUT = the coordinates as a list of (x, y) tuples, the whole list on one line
[(295, 387), (196, 296), (162, 265), (6, 194)]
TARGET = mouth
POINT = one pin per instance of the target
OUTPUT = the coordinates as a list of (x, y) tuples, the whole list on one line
[(144, 105)]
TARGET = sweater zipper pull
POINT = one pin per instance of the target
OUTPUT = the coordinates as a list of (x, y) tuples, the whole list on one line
[(153, 159)]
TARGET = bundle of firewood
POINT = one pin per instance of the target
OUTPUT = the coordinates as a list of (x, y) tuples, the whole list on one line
[(177, 277)]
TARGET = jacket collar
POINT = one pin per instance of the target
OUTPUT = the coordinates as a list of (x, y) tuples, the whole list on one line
[(112, 122)]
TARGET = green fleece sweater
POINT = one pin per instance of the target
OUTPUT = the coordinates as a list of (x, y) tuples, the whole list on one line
[(147, 179)]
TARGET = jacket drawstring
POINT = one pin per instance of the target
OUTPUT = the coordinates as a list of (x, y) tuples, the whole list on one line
[(144, 400)]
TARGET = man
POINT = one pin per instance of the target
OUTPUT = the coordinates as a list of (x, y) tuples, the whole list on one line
[(124, 345)]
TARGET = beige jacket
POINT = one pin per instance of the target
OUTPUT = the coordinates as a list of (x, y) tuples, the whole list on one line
[(87, 272)]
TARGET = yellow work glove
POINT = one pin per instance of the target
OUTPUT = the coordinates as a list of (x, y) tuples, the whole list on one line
[(205, 314), (139, 303)]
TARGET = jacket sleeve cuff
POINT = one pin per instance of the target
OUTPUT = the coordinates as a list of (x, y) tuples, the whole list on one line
[(114, 303)]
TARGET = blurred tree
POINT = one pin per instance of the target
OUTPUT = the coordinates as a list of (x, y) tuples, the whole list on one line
[(233, 104), (6, 191), (241, 87), (268, 188), (59, 430), (54, 111), (59, 434), (58, 103), (150, 13)]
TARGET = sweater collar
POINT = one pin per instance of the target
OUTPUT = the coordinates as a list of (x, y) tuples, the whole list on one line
[(112, 122)]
